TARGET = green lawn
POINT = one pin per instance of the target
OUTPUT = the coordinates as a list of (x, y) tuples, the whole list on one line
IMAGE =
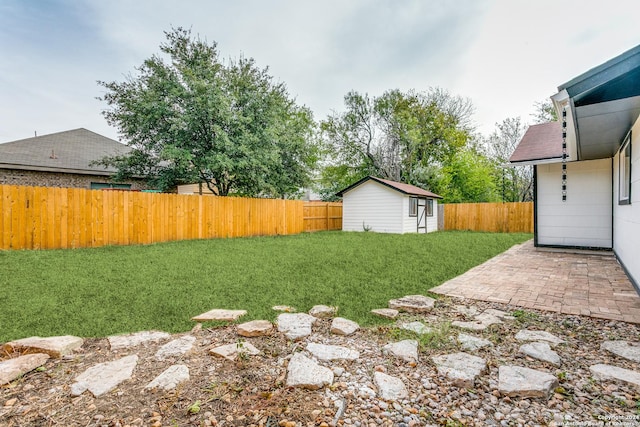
[(103, 291)]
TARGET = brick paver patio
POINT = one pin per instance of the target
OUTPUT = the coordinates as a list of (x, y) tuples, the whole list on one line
[(572, 283)]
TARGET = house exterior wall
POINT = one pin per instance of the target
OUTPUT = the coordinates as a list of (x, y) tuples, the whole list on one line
[(373, 205), (410, 223), (626, 218), (57, 179), (585, 219)]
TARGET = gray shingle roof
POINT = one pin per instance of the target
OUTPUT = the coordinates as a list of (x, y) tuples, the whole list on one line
[(70, 151)]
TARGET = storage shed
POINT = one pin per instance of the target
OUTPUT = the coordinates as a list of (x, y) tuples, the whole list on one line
[(385, 206)]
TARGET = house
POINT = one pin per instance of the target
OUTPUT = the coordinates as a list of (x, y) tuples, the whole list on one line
[(62, 159), (587, 166), (388, 207)]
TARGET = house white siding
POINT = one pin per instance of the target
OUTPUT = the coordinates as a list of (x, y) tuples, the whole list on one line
[(374, 206), (585, 219), (626, 218)]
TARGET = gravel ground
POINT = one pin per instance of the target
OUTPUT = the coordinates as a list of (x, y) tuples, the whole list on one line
[(252, 391)]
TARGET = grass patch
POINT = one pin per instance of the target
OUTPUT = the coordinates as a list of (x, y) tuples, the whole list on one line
[(109, 290)]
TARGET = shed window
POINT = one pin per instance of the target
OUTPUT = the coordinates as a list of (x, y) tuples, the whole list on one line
[(625, 172), (413, 206), (429, 207)]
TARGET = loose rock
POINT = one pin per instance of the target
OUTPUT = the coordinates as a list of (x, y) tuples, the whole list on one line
[(608, 372), (176, 348), (416, 327), (388, 313), (413, 304), (295, 325), (104, 377), (255, 328), (304, 372), (117, 342), (461, 368), (525, 382), (232, 351), (55, 347), (471, 343), (526, 335), (390, 388), (406, 350), (170, 378), (342, 326), (14, 368), (626, 349), (332, 352), (540, 351), (323, 311), (219, 314)]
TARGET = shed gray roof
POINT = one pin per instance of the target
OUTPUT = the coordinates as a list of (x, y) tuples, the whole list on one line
[(70, 151), (408, 189)]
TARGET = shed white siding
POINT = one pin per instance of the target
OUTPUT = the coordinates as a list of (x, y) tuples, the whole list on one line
[(374, 206), (585, 219), (410, 223), (626, 218)]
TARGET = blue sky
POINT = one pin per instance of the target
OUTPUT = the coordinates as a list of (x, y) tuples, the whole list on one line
[(502, 54)]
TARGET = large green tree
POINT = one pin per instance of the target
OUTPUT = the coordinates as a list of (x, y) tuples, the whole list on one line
[(395, 136), (190, 117), (515, 182)]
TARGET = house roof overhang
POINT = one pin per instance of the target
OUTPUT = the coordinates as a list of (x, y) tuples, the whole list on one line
[(541, 143), (602, 105)]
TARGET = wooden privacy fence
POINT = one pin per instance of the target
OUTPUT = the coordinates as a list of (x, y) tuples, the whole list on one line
[(494, 217), (48, 218), (322, 216)]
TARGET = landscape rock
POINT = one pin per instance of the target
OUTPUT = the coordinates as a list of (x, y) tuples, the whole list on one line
[(608, 372), (176, 348), (284, 308), (541, 351), (117, 342), (467, 311), (220, 315), (502, 315), (332, 352), (11, 369), (306, 373), (416, 327), (255, 328), (524, 382), (406, 350), (471, 343), (232, 351), (104, 377), (475, 325), (527, 335), (295, 325), (323, 311), (626, 349), (390, 388), (388, 313), (170, 378), (461, 368), (55, 347), (342, 326), (413, 303)]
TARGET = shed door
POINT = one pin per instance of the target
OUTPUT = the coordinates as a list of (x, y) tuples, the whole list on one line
[(422, 216)]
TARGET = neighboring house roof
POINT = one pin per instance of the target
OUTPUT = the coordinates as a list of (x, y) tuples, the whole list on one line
[(541, 143), (602, 105), (408, 189), (70, 151)]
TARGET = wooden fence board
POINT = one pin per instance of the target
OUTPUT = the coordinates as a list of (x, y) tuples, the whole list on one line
[(492, 217)]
